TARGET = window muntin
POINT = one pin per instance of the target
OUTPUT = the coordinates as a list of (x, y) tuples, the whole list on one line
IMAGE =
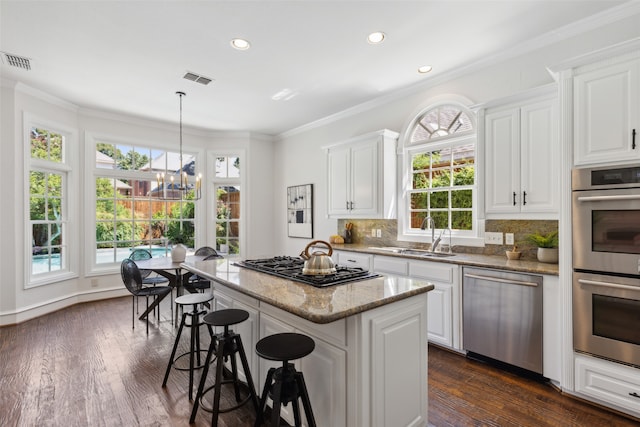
[(442, 121), (439, 166), (47, 225), (442, 187), (227, 187), (128, 211)]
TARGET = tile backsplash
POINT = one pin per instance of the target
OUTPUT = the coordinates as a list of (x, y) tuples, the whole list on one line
[(361, 234)]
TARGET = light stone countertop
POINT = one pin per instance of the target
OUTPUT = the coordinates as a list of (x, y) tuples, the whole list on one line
[(475, 260), (318, 305)]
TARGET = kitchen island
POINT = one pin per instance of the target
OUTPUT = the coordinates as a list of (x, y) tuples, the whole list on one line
[(369, 367)]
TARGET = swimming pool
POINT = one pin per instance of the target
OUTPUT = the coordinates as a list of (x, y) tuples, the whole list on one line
[(40, 263)]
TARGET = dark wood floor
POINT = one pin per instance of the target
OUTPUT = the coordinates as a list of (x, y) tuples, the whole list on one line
[(85, 366)]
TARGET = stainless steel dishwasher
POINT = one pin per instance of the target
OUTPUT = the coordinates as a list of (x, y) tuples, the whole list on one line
[(502, 316)]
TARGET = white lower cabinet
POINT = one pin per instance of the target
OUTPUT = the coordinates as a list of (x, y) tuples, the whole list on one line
[(369, 369), (352, 259), (608, 383), (325, 373), (444, 301)]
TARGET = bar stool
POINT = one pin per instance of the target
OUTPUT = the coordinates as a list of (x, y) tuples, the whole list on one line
[(194, 344), (285, 384), (223, 346)]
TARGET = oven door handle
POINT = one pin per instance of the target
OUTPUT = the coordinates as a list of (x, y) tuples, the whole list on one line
[(608, 285), (608, 198)]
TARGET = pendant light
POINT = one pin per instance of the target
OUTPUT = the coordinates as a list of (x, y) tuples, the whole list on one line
[(179, 185)]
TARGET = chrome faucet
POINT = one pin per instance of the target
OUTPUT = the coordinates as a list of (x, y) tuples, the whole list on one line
[(432, 226)]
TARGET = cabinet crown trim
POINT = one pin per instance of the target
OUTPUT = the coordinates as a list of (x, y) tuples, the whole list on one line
[(366, 137), (631, 46)]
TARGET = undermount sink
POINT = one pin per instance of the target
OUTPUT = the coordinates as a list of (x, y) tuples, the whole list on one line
[(414, 252), (425, 253)]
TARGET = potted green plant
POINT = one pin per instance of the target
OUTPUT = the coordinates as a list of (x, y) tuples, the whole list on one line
[(547, 246)]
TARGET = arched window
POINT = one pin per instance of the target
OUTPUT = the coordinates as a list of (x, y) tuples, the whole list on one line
[(442, 121), (439, 174)]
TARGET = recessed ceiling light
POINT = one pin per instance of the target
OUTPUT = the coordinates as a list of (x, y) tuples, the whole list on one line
[(240, 44), (376, 38), (425, 69)]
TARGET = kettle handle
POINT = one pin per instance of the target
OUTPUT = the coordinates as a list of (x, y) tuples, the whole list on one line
[(306, 250)]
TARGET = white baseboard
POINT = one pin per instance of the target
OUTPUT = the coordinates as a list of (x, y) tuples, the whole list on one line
[(36, 310)]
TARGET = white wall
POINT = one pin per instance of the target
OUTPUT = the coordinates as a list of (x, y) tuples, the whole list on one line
[(300, 160)]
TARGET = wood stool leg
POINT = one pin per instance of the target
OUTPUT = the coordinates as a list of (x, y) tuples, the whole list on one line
[(247, 374), (234, 375), (203, 380), (173, 352), (277, 394), (263, 398), (192, 348), (218, 387), (306, 403)]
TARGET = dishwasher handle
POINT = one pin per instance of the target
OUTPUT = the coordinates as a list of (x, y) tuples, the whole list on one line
[(500, 280)]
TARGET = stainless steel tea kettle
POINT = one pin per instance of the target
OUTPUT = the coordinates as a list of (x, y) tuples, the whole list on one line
[(318, 263)]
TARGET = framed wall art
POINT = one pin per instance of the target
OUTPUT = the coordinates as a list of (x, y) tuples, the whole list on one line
[(300, 211)]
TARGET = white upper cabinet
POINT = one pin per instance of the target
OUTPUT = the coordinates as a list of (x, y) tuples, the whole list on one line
[(361, 176), (607, 113), (521, 152)]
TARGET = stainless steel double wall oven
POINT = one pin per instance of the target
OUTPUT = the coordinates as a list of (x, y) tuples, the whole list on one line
[(606, 262)]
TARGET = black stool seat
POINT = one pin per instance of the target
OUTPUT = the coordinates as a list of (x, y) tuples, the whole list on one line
[(285, 346), (227, 317), (285, 384), (194, 343), (225, 346)]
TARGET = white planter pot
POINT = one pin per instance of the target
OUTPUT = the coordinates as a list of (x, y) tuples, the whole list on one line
[(178, 253), (548, 255)]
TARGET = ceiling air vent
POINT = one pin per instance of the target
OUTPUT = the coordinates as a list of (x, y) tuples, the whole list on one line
[(16, 61), (197, 78)]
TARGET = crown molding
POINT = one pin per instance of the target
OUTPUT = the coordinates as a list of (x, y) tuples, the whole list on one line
[(589, 23), (46, 97)]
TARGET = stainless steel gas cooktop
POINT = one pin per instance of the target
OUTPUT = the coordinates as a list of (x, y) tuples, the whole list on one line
[(291, 268)]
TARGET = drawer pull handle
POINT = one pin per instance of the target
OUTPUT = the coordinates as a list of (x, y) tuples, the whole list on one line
[(351, 260), (634, 394), (501, 280)]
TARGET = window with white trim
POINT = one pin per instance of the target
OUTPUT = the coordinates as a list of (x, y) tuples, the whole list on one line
[(130, 208), (50, 193), (439, 174), (227, 186)]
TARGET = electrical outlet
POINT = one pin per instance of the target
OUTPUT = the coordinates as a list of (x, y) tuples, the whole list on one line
[(493, 238), (508, 238), (373, 232), (94, 283), (378, 233)]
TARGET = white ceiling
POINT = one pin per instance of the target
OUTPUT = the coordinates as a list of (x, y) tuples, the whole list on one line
[(130, 56)]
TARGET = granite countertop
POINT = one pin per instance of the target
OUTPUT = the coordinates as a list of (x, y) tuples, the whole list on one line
[(318, 305), (475, 260)]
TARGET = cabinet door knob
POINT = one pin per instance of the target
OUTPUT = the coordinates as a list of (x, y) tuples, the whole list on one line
[(524, 197), (633, 139), (514, 198)]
